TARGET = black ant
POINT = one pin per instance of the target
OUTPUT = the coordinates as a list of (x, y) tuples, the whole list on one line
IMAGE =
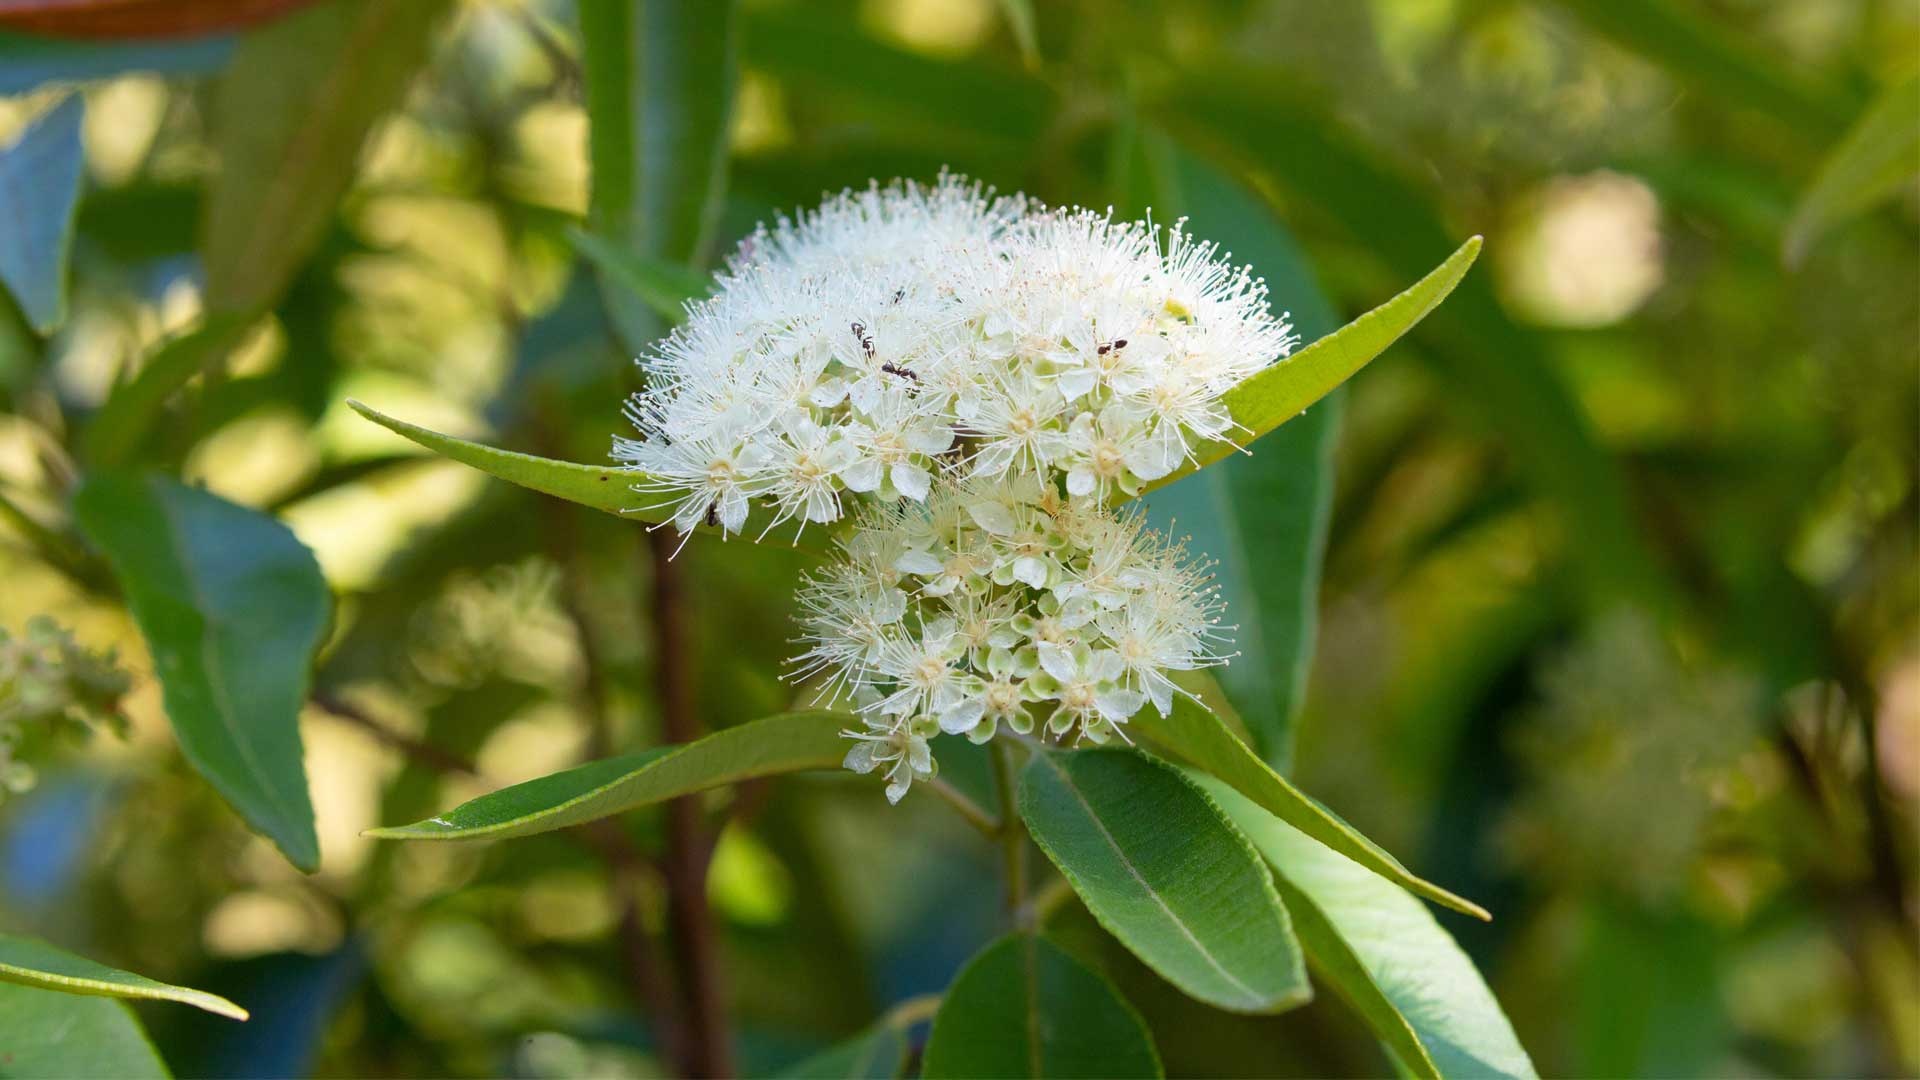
[(865, 339), (1115, 346), (892, 368), (899, 295), (713, 514)]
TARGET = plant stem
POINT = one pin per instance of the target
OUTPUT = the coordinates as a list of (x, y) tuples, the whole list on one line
[(709, 1052), (1013, 834), (965, 807)]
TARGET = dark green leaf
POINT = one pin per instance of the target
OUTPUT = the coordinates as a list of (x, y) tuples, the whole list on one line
[(123, 423), (1263, 516), (289, 117), (665, 287), (232, 607), (1024, 1008), (786, 743), (51, 1036), (36, 963), (1163, 872), (1879, 153), (1282, 391), (1194, 734), (660, 79), (1385, 953), (39, 188)]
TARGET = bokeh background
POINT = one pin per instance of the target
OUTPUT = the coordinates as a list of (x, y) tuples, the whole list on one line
[(1618, 628)]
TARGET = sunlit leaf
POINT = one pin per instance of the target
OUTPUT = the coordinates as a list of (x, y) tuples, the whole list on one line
[(232, 607), (1156, 864), (35, 963), (288, 118), (1881, 152), (39, 188), (1282, 391), (53, 1036), (790, 742), (1262, 516), (660, 84), (1197, 736), (1385, 953), (1023, 1008)]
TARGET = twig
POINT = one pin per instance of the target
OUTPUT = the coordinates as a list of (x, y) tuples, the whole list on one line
[(709, 1052), (425, 753), (1013, 835), (967, 808)]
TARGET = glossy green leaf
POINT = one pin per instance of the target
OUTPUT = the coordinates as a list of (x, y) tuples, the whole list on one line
[(289, 116), (1282, 391), (45, 1035), (601, 487), (660, 86), (1262, 516), (665, 287), (1881, 152), (128, 416), (1154, 861), (1023, 1008), (1385, 953), (789, 742), (35, 963), (1196, 735), (232, 607), (39, 189), (1701, 51)]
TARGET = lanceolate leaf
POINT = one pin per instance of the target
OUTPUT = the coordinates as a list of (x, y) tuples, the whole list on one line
[(289, 117), (665, 287), (53, 1036), (1282, 391), (1023, 1007), (1881, 152), (789, 742), (36, 963), (1385, 953), (1264, 515), (601, 487), (1195, 735), (39, 188), (232, 607), (660, 79), (1163, 872)]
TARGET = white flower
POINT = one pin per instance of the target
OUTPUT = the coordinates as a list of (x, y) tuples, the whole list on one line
[(898, 749), (873, 344), (920, 620)]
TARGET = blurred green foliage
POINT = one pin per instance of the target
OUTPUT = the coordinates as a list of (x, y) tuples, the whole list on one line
[(1619, 625)]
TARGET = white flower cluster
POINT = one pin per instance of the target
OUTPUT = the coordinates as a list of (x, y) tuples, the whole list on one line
[(900, 335), (1003, 602), (982, 376)]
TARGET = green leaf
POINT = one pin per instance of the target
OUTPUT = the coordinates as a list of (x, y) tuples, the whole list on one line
[(120, 428), (1880, 153), (36, 963), (1195, 735), (601, 487), (789, 742), (289, 117), (1385, 953), (1282, 391), (39, 188), (52, 1036), (665, 287), (1264, 515), (1023, 1008), (232, 607), (1699, 51), (1164, 873), (660, 87)]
